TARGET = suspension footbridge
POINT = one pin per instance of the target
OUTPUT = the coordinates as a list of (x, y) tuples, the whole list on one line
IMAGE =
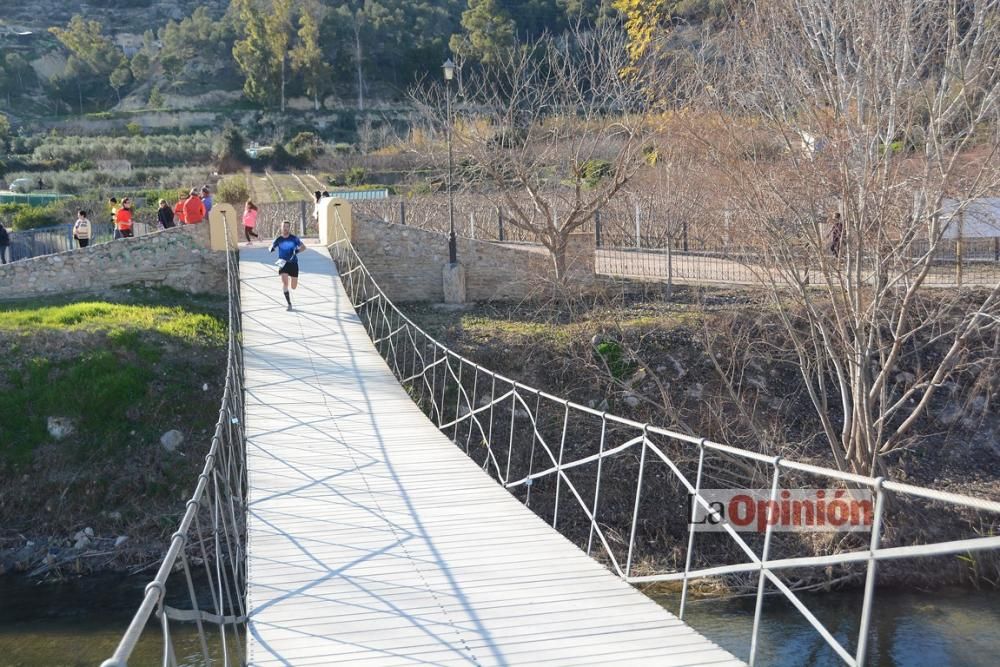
[(372, 539), (372, 497)]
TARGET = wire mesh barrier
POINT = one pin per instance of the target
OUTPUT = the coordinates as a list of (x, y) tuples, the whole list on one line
[(59, 238), (204, 566), (630, 493), (299, 213), (638, 238)]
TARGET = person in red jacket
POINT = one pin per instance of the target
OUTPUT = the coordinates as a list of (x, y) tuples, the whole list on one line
[(123, 219), (194, 209), (179, 209)]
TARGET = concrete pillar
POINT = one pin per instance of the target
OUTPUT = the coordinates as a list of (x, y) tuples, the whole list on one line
[(453, 282), (335, 221), (221, 216)]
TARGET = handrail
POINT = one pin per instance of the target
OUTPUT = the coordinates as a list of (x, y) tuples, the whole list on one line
[(426, 366), (224, 464)]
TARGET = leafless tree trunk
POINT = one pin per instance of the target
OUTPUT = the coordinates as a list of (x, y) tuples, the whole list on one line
[(551, 131), (886, 112)]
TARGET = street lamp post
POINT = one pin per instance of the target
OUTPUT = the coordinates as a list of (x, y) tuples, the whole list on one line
[(449, 74)]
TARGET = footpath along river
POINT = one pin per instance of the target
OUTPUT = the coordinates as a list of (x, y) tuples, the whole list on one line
[(79, 623)]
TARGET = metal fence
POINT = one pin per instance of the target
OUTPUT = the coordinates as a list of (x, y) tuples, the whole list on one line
[(638, 240), (59, 238)]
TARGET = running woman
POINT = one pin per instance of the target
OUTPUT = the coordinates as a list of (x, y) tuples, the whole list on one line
[(288, 246), (250, 221)]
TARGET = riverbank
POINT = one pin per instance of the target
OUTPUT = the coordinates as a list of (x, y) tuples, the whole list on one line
[(108, 404)]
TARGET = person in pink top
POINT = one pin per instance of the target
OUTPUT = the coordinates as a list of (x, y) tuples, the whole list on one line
[(250, 221)]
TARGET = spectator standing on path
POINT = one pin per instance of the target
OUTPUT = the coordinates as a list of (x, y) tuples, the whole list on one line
[(193, 209), (81, 229), (4, 243), (179, 209), (288, 246), (318, 196), (836, 232), (123, 219), (113, 207), (206, 199), (165, 215), (250, 221)]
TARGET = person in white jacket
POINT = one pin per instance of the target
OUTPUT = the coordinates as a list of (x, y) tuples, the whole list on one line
[(81, 229)]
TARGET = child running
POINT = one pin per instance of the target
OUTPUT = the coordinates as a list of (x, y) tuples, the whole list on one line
[(288, 246)]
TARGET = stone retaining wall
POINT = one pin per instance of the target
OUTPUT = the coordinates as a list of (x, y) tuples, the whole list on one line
[(407, 263), (180, 258)]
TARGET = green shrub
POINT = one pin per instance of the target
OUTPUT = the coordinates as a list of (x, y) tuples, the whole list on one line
[(592, 171), (134, 129), (156, 100), (23, 216), (233, 190), (305, 147), (355, 176), (83, 165), (614, 357)]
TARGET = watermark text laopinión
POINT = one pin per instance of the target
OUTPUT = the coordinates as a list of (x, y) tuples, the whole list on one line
[(793, 510)]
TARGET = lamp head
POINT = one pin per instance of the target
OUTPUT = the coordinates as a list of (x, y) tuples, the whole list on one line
[(449, 70)]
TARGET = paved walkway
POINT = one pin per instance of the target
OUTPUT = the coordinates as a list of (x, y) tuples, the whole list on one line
[(372, 540)]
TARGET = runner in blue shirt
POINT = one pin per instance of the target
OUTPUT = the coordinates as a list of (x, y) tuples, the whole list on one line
[(288, 246)]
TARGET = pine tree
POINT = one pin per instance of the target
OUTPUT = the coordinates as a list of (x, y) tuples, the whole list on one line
[(253, 55), (307, 58), (278, 33), (489, 29)]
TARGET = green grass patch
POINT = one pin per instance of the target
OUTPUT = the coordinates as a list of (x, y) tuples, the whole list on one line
[(121, 372), (117, 319)]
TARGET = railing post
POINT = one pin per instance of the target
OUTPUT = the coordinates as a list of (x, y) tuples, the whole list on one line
[(499, 224), (597, 483), (691, 524), (772, 506), (562, 448), (597, 228), (402, 212), (472, 225), (866, 606), (635, 509), (302, 218), (638, 228)]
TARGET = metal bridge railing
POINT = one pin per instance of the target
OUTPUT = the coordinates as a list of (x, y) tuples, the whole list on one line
[(604, 480), (204, 567), (31, 243)]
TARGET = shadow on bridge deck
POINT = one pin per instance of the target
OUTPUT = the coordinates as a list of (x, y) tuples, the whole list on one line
[(373, 540)]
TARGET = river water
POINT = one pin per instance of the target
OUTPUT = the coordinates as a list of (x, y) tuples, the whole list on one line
[(80, 622)]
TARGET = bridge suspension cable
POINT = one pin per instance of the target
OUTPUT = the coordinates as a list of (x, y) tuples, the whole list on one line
[(204, 566), (602, 479)]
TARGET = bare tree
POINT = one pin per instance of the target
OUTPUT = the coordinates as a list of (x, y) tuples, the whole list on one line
[(550, 131), (855, 134)]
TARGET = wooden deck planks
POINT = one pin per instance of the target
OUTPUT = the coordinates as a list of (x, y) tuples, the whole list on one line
[(373, 540)]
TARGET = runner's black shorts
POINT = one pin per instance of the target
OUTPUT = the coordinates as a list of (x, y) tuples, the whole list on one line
[(291, 268)]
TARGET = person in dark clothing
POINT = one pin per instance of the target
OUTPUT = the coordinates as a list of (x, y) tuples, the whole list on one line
[(288, 246), (4, 243), (165, 215), (836, 232)]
